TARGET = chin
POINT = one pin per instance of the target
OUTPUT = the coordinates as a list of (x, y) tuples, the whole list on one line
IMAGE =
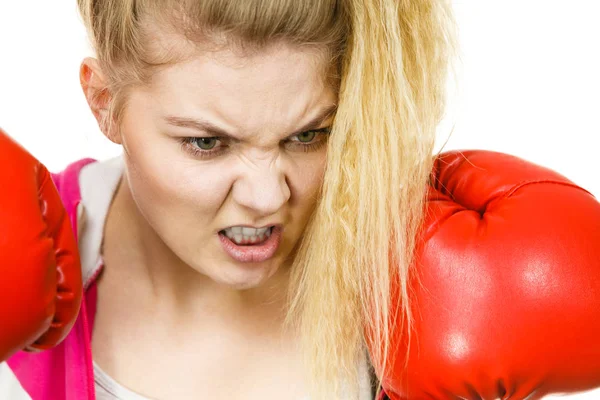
[(244, 276)]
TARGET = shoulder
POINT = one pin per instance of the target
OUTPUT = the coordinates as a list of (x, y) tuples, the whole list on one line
[(67, 181)]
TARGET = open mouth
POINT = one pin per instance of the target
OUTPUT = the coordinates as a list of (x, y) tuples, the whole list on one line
[(252, 249)]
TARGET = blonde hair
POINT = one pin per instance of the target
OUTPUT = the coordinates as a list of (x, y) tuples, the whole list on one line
[(393, 58)]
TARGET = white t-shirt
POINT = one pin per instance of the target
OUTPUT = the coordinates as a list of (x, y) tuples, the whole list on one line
[(109, 389)]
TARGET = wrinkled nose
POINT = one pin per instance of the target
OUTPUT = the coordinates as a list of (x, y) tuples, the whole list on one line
[(263, 189)]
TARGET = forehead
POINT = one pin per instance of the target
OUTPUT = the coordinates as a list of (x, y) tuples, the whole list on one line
[(278, 84)]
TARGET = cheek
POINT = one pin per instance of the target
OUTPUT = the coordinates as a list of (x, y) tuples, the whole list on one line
[(306, 183), (175, 194)]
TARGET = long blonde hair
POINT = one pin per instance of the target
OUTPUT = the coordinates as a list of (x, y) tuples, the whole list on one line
[(392, 59)]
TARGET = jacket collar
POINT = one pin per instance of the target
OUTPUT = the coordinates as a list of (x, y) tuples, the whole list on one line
[(98, 183)]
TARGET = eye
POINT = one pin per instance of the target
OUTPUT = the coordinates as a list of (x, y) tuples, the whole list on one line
[(206, 143), (306, 137), (202, 147)]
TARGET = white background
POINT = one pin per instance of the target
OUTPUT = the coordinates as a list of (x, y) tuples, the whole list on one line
[(529, 84)]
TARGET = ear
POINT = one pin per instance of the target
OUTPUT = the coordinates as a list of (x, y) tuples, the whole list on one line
[(95, 88)]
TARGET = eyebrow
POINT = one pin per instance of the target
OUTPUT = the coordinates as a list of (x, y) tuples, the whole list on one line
[(212, 129)]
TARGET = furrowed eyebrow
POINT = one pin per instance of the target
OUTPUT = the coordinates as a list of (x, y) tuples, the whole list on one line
[(211, 129)]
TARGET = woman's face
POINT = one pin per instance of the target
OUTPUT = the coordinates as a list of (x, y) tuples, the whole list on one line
[(269, 172)]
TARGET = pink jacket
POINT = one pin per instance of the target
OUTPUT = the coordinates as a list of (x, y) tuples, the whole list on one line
[(65, 372)]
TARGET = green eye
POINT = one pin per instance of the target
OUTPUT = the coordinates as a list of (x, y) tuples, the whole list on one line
[(206, 143), (306, 137)]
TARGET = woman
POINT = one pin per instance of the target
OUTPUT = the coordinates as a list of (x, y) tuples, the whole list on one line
[(239, 247)]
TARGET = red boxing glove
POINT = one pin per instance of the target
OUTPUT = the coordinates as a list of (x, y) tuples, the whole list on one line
[(40, 271), (509, 305)]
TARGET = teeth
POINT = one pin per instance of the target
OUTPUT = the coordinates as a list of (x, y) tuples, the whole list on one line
[(247, 231), (244, 235), (253, 231)]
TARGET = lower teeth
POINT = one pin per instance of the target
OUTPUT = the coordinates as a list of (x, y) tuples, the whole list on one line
[(250, 243)]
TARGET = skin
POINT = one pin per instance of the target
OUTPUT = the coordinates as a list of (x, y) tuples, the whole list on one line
[(172, 305)]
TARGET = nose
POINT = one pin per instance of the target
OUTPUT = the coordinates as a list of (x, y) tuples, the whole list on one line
[(263, 190)]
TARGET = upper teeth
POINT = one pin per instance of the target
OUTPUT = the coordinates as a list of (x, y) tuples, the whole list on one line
[(246, 235), (242, 230)]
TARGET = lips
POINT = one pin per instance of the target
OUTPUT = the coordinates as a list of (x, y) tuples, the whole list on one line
[(252, 253)]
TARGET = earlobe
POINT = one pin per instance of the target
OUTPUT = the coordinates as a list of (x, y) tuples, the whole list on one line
[(95, 89)]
